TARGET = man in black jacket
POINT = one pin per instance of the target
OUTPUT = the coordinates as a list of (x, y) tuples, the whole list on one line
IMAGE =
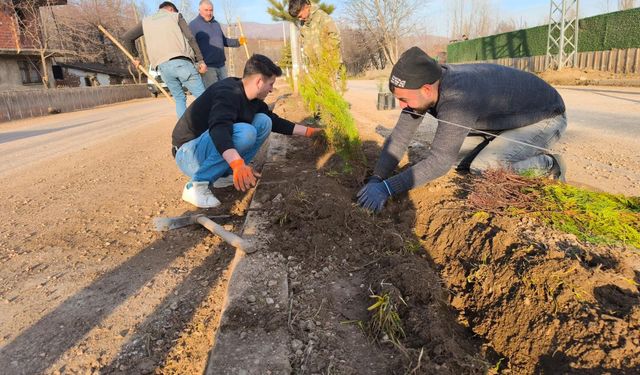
[(223, 129), (526, 114)]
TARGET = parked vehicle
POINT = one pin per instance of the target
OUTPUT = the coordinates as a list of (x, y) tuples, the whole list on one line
[(153, 88)]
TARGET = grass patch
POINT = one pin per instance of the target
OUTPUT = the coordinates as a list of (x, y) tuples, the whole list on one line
[(599, 218), (481, 216), (412, 247), (385, 320), (532, 173)]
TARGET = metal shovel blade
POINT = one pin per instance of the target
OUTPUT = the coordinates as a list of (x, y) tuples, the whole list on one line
[(163, 224)]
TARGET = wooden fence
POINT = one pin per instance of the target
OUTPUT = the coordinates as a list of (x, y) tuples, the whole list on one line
[(17, 105), (614, 61)]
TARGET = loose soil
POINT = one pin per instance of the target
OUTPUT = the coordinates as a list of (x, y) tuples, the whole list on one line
[(86, 285), (586, 77), (475, 292)]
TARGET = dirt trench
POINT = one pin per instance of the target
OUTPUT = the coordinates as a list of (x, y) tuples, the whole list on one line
[(475, 293)]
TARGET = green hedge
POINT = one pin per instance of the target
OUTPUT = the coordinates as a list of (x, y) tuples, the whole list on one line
[(600, 33)]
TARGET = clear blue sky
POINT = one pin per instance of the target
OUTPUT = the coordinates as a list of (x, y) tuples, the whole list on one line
[(533, 12)]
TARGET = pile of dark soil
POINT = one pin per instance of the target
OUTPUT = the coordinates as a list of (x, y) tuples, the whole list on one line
[(586, 77), (475, 292), (338, 256), (546, 302)]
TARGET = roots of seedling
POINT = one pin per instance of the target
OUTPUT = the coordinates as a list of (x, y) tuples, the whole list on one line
[(499, 190)]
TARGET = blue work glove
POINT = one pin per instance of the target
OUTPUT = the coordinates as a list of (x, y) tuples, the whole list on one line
[(374, 194)]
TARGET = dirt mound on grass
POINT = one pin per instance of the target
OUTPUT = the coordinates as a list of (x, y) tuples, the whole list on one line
[(480, 292), (544, 301)]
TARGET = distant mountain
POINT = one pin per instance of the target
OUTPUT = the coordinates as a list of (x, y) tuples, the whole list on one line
[(254, 30)]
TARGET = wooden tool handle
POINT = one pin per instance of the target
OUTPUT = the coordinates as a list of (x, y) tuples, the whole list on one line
[(246, 49), (140, 68), (227, 236)]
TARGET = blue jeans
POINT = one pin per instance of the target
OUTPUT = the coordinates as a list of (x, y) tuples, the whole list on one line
[(200, 160), (501, 153), (213, 75), (177, 74)]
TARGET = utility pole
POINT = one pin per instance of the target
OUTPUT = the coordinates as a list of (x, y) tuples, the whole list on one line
[(562, 38)]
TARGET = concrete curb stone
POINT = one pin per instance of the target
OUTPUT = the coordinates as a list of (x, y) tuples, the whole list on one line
[(253, 336)]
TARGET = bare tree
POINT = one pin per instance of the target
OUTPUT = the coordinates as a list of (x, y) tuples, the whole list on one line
[(456, 9), (471, 18), (360, 51), (186, 10), (76, 28), (511, 24), (505, 26), (229, 16), (35, 34), (388, 21), (482, 13)]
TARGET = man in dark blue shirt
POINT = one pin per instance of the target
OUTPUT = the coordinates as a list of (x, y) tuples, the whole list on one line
[(212, 41), (521, 115)]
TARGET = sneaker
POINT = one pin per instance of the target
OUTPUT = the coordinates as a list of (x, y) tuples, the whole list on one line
[(223, 182), (198, 194), (558, 169)]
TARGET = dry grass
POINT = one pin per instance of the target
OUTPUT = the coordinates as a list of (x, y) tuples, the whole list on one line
[(497, 191)]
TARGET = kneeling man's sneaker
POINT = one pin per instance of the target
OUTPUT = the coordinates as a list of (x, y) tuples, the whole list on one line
[(223, 182), (198, 194), (559, 168)]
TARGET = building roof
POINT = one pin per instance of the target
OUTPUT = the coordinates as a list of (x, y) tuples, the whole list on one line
[(42, 2)]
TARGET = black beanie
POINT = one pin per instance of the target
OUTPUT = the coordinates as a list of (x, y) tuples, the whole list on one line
[(414, 69)]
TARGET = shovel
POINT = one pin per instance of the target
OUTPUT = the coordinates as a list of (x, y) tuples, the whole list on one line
[(163, 224)]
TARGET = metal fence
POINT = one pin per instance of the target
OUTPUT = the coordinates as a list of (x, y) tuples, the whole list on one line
[(31, 103), (614, 61)]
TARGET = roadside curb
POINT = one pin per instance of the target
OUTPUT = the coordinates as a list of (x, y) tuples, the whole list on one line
[(252, 337)]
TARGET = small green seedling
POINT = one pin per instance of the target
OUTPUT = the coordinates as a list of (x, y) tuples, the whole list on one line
[(385, 319)]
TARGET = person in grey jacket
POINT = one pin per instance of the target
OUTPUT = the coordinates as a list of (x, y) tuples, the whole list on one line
[(525, 113), (172, 50)]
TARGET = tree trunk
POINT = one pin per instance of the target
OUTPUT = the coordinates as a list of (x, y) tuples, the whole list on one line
[(45, 72)]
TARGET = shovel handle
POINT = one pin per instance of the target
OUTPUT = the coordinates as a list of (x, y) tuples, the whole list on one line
[(227, 236)]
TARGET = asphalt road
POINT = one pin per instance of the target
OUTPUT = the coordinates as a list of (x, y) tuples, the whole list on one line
[(26, 142)]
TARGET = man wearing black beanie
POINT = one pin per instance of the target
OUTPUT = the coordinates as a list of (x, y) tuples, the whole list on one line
[(516, 105)]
